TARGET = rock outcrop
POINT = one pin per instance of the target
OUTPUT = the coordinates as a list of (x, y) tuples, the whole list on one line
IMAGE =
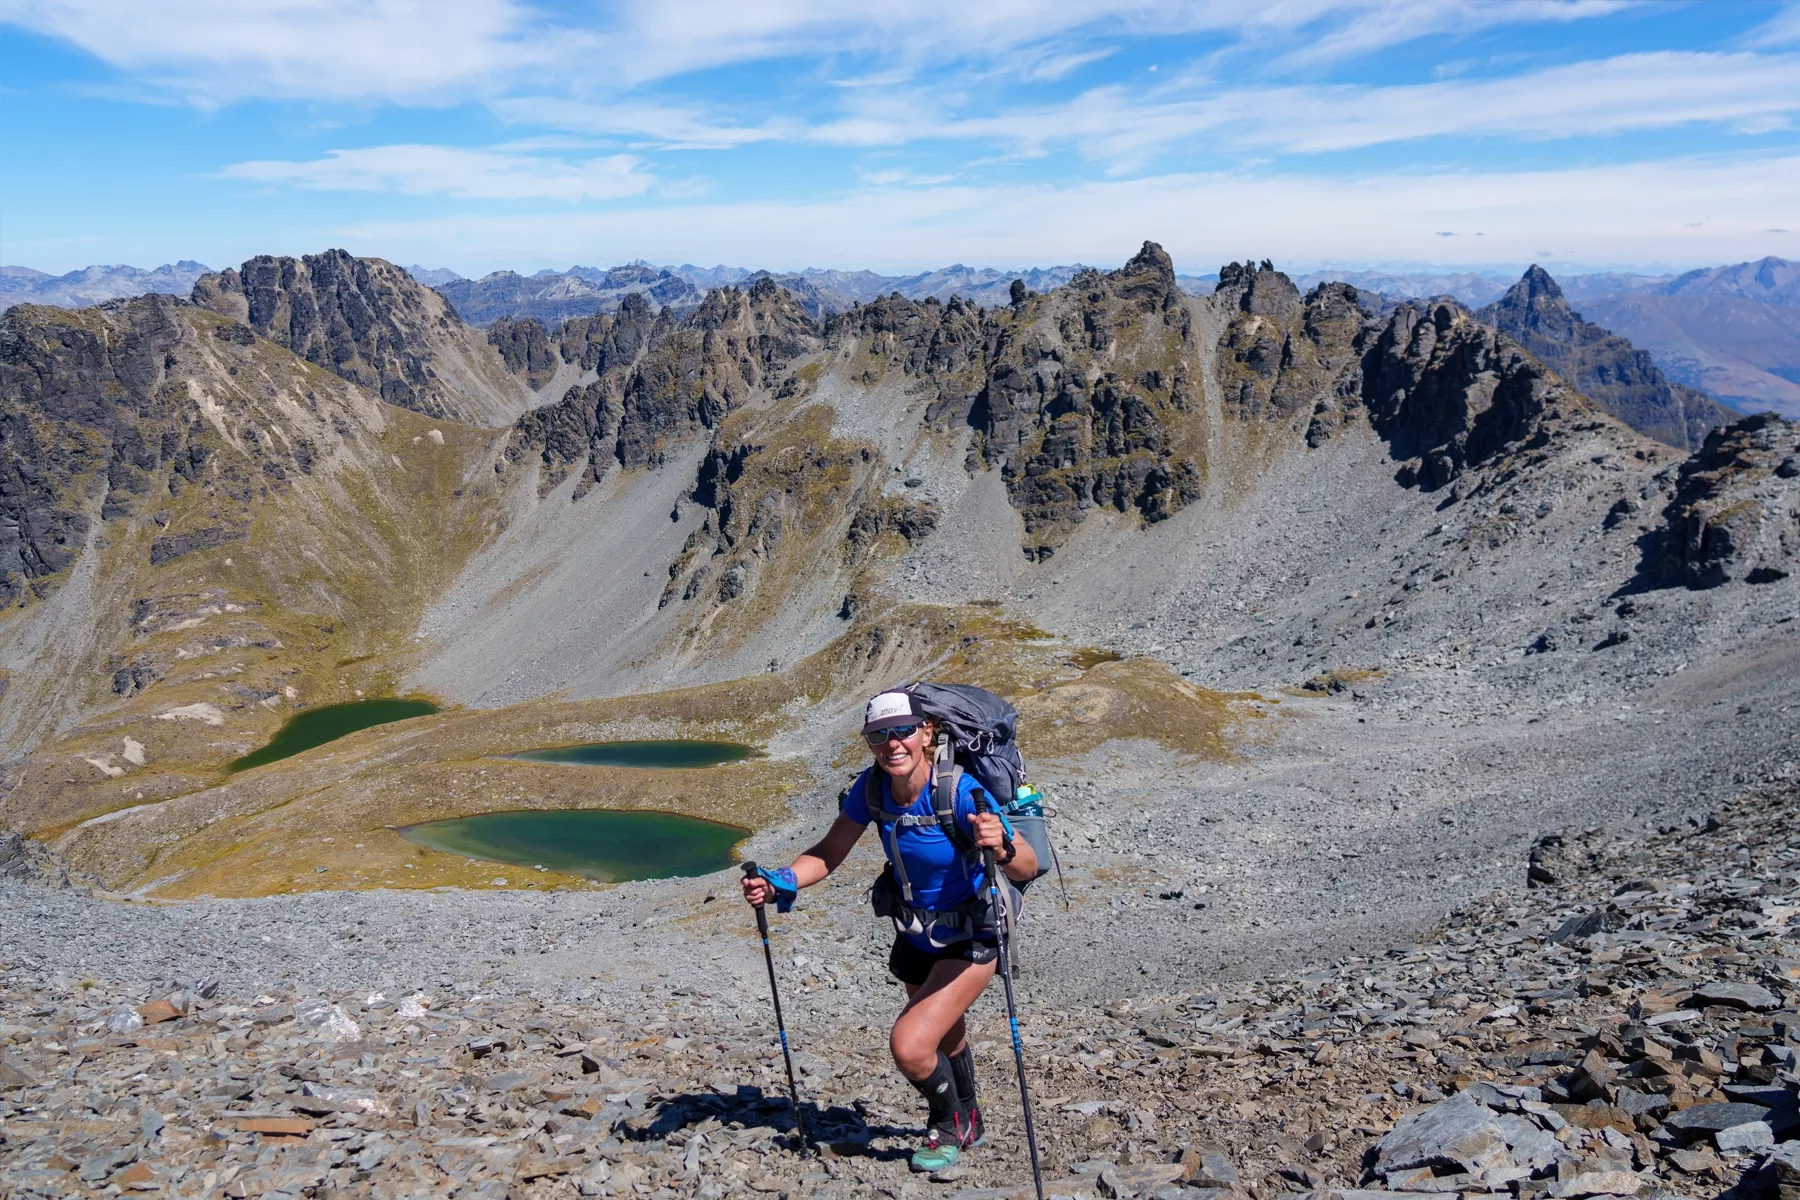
[(1449, 393), (1736, 508), (664, 377), (525, 348), (581, 429), (1605, 368), (1083, 391), (87, 410), (371, 323), (1282, 354)]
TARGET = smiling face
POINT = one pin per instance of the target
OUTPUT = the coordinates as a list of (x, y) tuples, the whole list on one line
[(903, 756)]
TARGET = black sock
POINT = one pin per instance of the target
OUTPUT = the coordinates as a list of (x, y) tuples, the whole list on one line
[(939, 1090), (962, 1065)]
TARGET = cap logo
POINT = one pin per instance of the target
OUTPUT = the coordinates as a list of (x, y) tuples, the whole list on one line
[(889, 704)]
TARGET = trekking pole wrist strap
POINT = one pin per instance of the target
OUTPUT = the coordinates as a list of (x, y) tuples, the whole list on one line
[(785, 885)]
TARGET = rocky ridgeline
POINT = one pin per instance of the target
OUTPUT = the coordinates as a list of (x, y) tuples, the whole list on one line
[(660, 378), (1092, 396), (1626, 1026)]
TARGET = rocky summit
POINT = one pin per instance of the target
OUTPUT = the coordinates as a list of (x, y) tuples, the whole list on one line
[(1418, 738)]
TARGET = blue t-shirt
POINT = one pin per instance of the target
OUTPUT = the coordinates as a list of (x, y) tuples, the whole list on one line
[(942, 877)]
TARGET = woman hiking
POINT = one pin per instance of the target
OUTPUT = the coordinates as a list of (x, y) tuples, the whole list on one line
[(935, 890)]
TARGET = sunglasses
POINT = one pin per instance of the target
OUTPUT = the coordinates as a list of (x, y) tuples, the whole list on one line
[(878, 738)]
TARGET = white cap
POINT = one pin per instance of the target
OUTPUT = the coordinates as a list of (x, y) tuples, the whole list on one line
[(888, 710)]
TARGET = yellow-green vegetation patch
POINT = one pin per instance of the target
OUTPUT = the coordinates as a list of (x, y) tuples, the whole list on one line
[(327, 818), (351, 830)]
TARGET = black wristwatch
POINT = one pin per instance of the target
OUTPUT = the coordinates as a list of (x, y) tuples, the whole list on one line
[(1012, 852)]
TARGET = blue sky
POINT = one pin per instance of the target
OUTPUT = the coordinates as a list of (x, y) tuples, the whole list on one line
[(900, 134)]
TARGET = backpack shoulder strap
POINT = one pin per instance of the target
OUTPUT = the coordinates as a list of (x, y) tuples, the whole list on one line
[(946, 781)]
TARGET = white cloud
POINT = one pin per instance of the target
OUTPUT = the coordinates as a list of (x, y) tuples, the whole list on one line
[(1614, 214), (220, 51), (493, 174), (1055, 66)]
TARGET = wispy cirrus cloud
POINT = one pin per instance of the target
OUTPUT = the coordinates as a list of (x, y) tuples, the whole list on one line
[(1626, 94), (476, 174), (1781, 29), (1128, 126), (213, 52), (667, 126)]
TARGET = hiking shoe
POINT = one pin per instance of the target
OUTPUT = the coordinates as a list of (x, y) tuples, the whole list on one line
[(969, 1129), (939, 1152)]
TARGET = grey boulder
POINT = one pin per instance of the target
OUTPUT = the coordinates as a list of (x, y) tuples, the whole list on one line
[(1458, 1133)]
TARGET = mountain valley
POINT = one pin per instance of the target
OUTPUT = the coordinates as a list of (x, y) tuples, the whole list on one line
[(1319, 609)]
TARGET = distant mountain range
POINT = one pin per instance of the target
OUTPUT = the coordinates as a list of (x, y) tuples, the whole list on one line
[(552, 296), (555, 296), (92, 285)]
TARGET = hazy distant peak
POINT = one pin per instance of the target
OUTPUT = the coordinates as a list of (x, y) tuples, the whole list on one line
[(95, 284), (1771, 280), (432, 276)]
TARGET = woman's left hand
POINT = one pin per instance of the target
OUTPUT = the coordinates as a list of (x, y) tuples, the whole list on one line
[(989, 833)]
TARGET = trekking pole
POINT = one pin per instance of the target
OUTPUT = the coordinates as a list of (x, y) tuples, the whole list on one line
[(1003, 927), (762, 927)]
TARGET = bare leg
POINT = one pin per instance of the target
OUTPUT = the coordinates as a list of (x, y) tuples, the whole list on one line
[(932, 1021), (955, 1038)]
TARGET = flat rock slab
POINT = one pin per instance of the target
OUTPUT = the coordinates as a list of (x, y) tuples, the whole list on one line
[(1736, 995), (1600, 1183), (1126, 1182), (1711, 1118), (1753, 1135), (1459, 1132), (279, 1126)]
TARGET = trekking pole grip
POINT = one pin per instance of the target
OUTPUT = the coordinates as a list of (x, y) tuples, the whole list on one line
[(762, 920)]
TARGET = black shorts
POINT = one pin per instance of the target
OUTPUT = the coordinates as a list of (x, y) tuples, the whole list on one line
[(910, 965)]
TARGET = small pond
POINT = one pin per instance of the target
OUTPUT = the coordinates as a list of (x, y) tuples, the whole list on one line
[(671, 753), (609, 846), (316, 726)]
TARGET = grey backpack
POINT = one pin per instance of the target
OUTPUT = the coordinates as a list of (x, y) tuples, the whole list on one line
[(980, 731)]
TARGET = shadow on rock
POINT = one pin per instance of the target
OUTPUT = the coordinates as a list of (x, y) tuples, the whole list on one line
[(844, 1130)]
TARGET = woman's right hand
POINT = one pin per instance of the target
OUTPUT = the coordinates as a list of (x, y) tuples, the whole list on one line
[(757, 891)]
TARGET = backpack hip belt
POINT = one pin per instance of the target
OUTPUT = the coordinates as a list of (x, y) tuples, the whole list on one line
[(891, 895)]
